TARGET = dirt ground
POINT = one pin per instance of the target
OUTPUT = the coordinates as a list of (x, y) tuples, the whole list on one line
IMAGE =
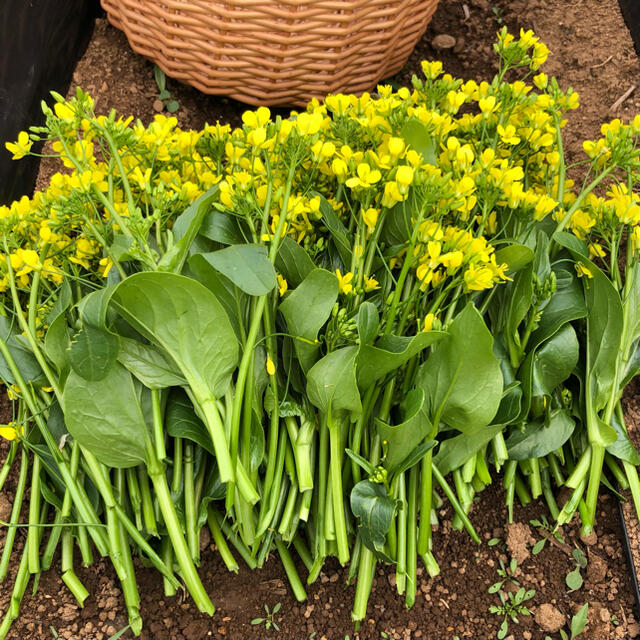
[(592, 52)]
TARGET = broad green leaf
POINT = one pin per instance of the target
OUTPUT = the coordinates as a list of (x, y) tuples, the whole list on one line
[(230, 297), (515, 256), (511, 401), (106, 418), (554, 361), (62, 302), (622, 448), (221, 227), (247, 266), (400, 440), (149, 364), (181, 420), (391, 352), (520, 300), (538, 439), (571, 242), (22, 356), (331, 382), (462, 378), (574, 579), (306, 310), (185, 230), (374, 510), (541, 260), (186, 320), (293, 262), (454, 452), (417, 136), (93, 352), (566, 304), (338, 231), (368, 323), (57, 341), (415, 456)]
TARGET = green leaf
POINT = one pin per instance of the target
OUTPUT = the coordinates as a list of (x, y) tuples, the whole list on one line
[(293, 262), (106, 417), (622, 447), (172, 106), (417, 136), (338, 231), (537, 439), (361, 462), (230, 297), (566, 304), (391, 352), (574, 579), (462, 378), (538, 546), (307, 309), (183, 318), (331, 382), (62, 302), (57, 341), (93, 352), (520, 298), (185, 230), (160, 77), (401, 439), (247, 266), (414, 457), (149, 364), (579, 621), (374, 510), (22, 356), (515, 256), (554, 361), (181, 420), (368, 323), (571, 242), (454, 452), (221, 227)]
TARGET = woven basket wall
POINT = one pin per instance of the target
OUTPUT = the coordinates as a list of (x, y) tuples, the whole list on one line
[(275, 52)]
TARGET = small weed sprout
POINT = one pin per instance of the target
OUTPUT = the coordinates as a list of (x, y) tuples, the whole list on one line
[(512, 605), (506, 575), (574, 578), (549, 532), (268, 621), (164, 96)]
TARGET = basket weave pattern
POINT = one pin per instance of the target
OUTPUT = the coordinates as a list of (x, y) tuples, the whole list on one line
[(277, 52)]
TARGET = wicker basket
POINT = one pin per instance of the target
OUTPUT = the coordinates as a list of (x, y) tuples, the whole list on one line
[(276, 52)]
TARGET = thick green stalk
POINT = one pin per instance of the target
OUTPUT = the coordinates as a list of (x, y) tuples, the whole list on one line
[(148, 512), (451, 496), (290, 569), (220, 542), (33, 535), (174, 529), (69, 576), (426, 493), (189, 503), (15, 516), (401, 561), (412, 538), (6, 465), (335, 468)]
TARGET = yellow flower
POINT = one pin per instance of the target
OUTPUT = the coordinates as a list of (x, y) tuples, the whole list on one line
[(596, 251), (539, 55), (283, 285), (64, 111), (541, 81), (371, 284), (396, 146), (428, 322), (431, 69), (370, 217), (344, 282), (256, 119), (105, 266), (366, 177), (9, 431), (635, 239), (582, 270), (508, 134), (487, 105), (21, 147), (391, 195), (478, 278), (271, 368), (404, 177)]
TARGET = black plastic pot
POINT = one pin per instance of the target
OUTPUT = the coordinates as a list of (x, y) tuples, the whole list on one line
[(631, 14), (42, 41)]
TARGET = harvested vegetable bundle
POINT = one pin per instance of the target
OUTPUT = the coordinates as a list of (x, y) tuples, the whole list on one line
[(294, 332)]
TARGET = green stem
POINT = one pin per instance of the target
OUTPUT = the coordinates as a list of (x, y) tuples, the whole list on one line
[(412, 556), (290, 569), (401, 562), (335, 464), (33, 535), (15, 516), (220, 542), (189, 503)]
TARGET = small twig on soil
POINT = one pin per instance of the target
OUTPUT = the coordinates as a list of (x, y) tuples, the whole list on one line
[(601, 64), (622, 98), (465, 10)]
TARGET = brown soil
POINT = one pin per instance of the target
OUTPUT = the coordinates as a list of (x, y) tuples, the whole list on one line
[(591, 51)]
